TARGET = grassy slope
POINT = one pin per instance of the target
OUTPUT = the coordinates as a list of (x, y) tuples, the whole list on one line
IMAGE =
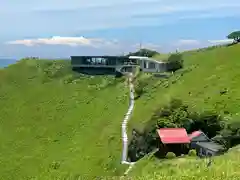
[(46, 122), (222, 167), (209, 72)]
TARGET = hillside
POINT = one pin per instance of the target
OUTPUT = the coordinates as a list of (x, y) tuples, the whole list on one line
[(222, 167), (207, 74), (199, 84), (57, 124)]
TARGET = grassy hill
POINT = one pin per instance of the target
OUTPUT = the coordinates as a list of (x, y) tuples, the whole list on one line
[(222, 167), (207, 74), (57, 124)]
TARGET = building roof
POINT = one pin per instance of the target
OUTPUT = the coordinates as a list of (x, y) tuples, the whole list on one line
[(210, 146), (173, 135), (146, 59), (198, 136), (195, 134), (138, 57)]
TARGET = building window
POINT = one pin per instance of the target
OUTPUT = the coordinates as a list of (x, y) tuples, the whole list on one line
[(144, 64), (96, 61), (151, 65)]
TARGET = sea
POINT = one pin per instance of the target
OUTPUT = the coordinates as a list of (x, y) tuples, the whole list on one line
[(6, 62)]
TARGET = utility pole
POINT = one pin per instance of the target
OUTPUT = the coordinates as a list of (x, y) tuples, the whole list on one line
[(140, 47)]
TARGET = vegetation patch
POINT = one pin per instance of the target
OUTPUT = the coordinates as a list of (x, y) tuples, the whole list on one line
[(221, 167), (56, 123), (179, 115)]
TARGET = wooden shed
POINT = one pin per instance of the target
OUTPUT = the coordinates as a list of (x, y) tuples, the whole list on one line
[(173, 140)]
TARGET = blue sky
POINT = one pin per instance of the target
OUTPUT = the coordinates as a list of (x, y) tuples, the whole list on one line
[(60, 28)]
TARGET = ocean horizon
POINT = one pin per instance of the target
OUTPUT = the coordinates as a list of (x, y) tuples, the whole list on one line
[(6, 62)]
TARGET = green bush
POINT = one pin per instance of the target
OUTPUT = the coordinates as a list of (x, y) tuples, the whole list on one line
[(143, 52), (139, 88), (175, 62), (234, 127), (170, 155), (192, 152)]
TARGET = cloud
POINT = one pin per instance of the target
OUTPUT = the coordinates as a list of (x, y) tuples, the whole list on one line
[(75, 16), (147, 45), (188, 44), (221, 41), (69, 41), (191, 42)]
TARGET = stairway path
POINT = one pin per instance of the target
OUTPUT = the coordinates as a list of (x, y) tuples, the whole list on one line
[(124, 126)]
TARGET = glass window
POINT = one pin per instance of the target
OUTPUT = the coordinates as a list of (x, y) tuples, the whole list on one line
[(144, 64), (151, 65)]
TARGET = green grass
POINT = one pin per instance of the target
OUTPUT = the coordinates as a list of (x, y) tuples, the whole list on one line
[(206, 74), (222, 167), (55, 124), (161, 57)]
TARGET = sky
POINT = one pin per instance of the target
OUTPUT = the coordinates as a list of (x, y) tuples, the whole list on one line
[(61, 28)]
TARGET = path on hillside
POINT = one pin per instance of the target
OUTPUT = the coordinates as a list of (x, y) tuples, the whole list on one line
[(124, 125)]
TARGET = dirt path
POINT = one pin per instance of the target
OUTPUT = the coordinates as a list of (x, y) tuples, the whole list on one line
[(124, 126)]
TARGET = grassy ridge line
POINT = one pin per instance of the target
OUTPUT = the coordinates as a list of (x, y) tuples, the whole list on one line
[(55, 124)]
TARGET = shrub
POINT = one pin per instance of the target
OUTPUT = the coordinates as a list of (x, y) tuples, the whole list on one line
[(175, 62), (192, 152), (139, 88), (230, 135), (234, 127), (55, 165), (170, 155), (143, 52)]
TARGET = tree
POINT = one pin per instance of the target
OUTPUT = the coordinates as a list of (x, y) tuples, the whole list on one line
[(175, 62), (143, 52), (235, 36)]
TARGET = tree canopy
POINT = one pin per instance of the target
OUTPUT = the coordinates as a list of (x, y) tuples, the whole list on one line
[(143, 52), (175, 62), (235, 36)]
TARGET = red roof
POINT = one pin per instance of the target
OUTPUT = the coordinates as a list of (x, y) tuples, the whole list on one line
[(195, 134), (173, 135)]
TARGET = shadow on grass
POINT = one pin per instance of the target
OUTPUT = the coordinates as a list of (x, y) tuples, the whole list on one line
[(97, 71), (164, 76)]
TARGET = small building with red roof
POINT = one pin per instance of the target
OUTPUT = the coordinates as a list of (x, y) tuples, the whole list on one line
[(178, 141), (173, 136), (173, 140)]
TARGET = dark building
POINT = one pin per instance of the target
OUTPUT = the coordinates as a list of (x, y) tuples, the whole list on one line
[(203, 145), (102, 64), (209, 149), (197, 136)]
